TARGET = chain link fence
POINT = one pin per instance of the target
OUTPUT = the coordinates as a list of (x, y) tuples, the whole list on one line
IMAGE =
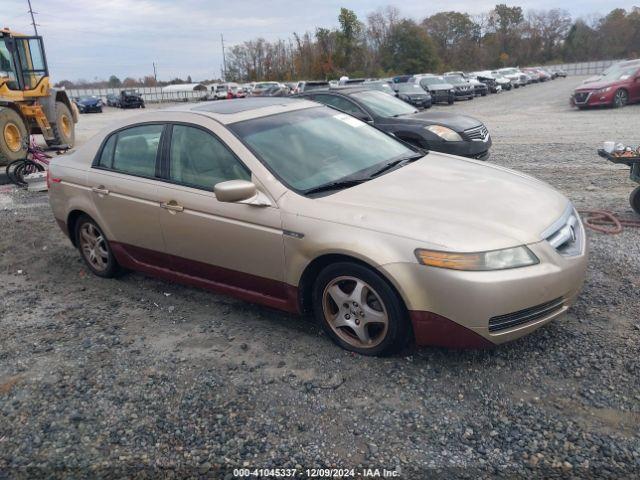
[(149, 94), (584, 68)]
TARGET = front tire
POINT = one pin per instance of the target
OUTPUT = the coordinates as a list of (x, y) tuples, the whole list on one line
[(359, 310), (95, 249), (64, 131), (13, 137), (620, 98)]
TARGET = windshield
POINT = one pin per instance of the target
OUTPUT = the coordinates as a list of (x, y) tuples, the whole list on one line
[(316, 146), (384, 105), (6, 62), (316, 86), (620, 73), (409, 88), (431, 81), (381, 86), (454, 79)]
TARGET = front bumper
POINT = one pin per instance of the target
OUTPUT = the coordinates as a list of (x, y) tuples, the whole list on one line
[(90, 109), (453, 308), (470, 149), (480, 90), (462, 94), (442, 96), (592, 98), (421, 102)]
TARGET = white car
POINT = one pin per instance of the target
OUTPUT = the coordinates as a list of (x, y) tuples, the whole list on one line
[(517, 78)]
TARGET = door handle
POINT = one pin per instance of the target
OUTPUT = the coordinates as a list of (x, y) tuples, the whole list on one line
[(172, 206), (100, 190)]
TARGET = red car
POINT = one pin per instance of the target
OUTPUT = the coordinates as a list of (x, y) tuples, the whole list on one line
[(616, 88)]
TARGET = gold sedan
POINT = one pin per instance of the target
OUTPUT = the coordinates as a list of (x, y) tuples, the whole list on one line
[(300, 207)]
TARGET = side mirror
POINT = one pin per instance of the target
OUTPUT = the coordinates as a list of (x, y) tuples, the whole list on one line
[(240, 191)]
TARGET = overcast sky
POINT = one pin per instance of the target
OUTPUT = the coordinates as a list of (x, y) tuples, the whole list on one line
[(92, 39)]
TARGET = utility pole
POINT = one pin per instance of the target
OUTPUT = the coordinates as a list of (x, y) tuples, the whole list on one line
[(33, 20), (224, 61), (155, 72)]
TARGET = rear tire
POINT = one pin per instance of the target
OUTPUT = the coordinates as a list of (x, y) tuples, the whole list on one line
[(95, 249), (634, 200), (64, 131), (13, 137), (359, 310)]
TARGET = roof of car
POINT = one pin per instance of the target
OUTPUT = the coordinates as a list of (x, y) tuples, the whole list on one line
[(231, 111)]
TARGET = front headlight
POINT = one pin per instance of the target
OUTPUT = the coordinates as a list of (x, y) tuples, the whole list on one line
[(480, 261), (444, 133), (604, 90)]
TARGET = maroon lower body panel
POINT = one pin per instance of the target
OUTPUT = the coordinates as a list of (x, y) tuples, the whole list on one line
[(431, 329), (252, 288)]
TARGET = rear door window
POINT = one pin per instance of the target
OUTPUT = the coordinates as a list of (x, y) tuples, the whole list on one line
[(133, 150)]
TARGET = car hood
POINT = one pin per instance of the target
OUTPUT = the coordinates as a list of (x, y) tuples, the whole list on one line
[(88, 102), (454, 121), (448, 203), (595, 85)]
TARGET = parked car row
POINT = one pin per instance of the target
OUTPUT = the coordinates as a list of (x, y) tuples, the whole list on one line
[(420, 90), (616, 87), (404, 117), (94, 104)]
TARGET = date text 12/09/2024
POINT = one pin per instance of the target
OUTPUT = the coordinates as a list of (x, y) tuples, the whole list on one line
[(315, 473)]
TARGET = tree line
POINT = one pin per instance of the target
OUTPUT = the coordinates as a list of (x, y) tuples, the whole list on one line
[(385, 43)]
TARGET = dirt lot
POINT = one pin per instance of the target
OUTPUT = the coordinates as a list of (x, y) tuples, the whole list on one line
[(140, 378)]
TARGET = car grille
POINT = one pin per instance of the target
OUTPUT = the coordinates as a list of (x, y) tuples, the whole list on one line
[(566, 234), (581, 97), (528, 315), (477, 134)]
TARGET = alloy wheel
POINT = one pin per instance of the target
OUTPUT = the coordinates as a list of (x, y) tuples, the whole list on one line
[(355, 312), (94, 247), (620, 99)]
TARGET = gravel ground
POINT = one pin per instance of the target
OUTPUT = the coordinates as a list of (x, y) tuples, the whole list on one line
[(137, 377)]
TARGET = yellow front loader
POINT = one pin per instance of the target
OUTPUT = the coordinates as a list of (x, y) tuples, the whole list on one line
[(28, 102)]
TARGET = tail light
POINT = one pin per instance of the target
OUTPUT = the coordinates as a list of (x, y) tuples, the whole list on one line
[(51, 179)]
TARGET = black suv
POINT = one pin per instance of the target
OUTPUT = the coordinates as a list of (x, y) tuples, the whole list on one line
[(413, 94), (130, 99), (438, 131), (463, 89)]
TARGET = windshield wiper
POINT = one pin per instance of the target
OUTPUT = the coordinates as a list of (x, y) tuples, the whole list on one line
[(338, 185), (403, 160)]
